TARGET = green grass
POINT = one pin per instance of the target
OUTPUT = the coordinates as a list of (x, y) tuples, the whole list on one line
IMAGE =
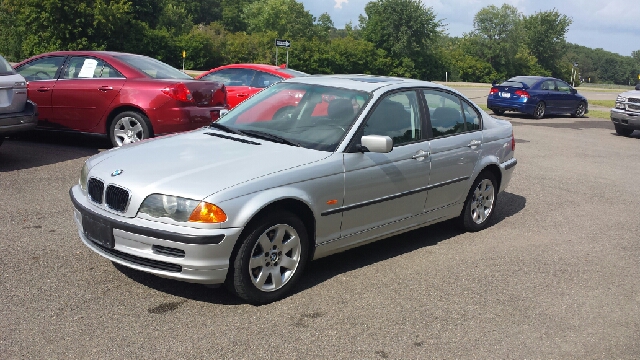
[(599, 114), (604, 103)]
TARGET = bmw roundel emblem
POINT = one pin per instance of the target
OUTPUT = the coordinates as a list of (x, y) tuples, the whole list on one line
[(117, 172)]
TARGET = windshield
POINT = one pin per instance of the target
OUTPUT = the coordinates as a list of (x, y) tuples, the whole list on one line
[(5, 68), (311, 116), (153, 68)]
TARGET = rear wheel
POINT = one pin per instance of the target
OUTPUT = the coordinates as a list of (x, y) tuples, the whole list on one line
[(129, 127), (580, 110), (270, 260), (622, 131), (498, 111), (480, 203), (538, 112)]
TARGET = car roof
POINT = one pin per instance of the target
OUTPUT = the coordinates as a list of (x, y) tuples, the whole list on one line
[(272, 69), (361, 82)]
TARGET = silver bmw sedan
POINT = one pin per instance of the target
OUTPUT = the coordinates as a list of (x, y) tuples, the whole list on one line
[(307, 167)]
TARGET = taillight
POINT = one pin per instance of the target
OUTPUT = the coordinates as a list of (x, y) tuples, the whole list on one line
[(493, 90), (522, 93), (513, 142), (219, 97), (178, 92)]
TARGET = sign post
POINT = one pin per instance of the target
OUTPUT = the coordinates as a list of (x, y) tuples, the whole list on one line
[(184, 55), (285, 44)]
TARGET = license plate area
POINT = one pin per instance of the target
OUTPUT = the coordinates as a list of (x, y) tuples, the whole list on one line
[(505, 94), (98, 231)]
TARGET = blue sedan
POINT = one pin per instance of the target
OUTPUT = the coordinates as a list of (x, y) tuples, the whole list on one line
[(536, 96)]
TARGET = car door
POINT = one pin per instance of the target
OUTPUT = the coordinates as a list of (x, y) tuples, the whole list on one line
[(237, 81), (567, 100), (547, 93), (41, 75), (455, 149), (84, 91), (384, 192)]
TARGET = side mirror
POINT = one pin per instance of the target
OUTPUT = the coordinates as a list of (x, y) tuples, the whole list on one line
[(574, 91), (638, 86), (377, 143)]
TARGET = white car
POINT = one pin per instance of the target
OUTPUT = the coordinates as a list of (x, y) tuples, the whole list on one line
[(16, 112), (626, 115), (250, 199)]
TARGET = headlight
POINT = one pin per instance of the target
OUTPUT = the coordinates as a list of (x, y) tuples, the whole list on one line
[(621, 99), (84, 173), (181, 209)]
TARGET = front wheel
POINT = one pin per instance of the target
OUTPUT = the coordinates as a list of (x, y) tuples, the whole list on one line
[(580, 110), (270, 260), (129, 127), (538, 112), (622, 131), (480, 203)]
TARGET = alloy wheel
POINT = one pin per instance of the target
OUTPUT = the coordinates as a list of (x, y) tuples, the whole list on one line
[(482, 202), (128, 130), (275, 258)]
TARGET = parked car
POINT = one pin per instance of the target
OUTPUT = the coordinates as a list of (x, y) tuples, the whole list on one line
[(17, 114), (250, 200), (125, 96), (536, 96), (626, 115), (244, 80)]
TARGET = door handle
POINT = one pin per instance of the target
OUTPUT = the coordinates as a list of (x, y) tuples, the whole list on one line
[(43, 89), (421, 155), (105, 88), (474, 143)]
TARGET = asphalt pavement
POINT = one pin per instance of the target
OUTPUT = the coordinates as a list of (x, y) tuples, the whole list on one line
[(555, 276)]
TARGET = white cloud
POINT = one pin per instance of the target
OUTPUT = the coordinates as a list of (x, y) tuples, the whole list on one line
[(339, 3)]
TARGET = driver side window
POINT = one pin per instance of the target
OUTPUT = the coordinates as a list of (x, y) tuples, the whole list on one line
[(397, 117), (42, 69)]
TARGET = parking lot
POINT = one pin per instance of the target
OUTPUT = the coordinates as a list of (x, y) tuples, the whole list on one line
[(557, 274)]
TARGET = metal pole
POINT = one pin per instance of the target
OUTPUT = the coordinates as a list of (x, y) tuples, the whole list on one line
[(276, 56), (287, 57)]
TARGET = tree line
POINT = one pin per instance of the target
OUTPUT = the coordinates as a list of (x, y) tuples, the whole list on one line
[(392, 37)]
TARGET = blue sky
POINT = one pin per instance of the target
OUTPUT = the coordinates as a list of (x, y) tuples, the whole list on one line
[(613, 25)]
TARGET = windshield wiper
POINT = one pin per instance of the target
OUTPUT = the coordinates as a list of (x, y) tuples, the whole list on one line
[(225, 128), (270, 137)]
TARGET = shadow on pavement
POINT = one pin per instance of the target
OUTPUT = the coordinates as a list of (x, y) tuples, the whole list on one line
[(326, 268), (39, 148)]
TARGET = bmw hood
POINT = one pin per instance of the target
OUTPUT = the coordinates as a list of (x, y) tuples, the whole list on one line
[(196, 164)]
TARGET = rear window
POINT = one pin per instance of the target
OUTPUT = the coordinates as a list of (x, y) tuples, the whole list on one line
[(293, 73), (5, 68), (517, 82), (153, 68)]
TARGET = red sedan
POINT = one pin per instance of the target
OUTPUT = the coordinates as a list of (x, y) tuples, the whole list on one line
[(125, 96), (244, 80)]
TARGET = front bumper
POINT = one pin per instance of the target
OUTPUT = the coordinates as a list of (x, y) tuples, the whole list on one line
[(18, 122), (625, 119), (192, 255)]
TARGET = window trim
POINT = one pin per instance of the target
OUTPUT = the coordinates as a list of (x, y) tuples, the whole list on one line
[(461, 99), (58, 72), (68, 61)]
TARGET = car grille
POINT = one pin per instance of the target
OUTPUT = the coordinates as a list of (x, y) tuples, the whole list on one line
[(633, 100), (153, 264), (634, 107), (96, 189), (117, 198)]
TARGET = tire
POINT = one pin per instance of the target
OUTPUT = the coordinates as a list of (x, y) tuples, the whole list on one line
[(480, 203), (129, 127), (260, 275), (580, 110), (498, 111), (622, 131), (538, 112)]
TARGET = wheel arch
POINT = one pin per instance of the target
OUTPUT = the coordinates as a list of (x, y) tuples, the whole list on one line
[(122, 108)]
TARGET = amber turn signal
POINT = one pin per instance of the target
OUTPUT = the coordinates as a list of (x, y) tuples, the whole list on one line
[(207, 213)]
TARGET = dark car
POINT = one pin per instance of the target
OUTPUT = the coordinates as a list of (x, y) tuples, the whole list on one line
[(244, 80), (16, 112), (125, 96), (537, 96)]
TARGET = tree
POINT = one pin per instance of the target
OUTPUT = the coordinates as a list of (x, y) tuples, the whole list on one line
[(498, 37), (324, 26), (287, 18), (232, 14), (545, 34), (406, 30)]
